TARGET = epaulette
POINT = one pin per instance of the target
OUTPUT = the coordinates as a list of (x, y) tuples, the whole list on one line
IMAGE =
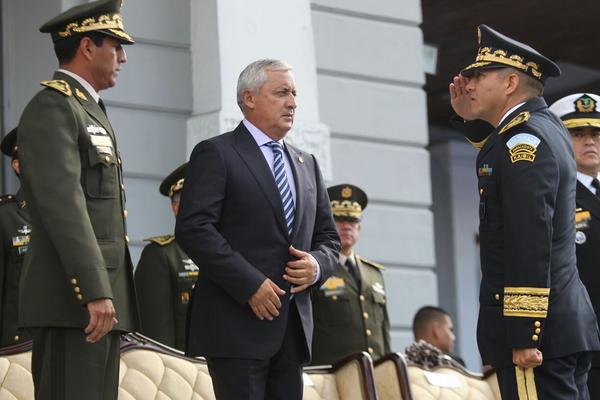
[(7, 198), (518, 120), (369, 262), (59, 86), (161, 240)]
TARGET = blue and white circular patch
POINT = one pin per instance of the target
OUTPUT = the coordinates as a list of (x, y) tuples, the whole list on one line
[(580, 237)]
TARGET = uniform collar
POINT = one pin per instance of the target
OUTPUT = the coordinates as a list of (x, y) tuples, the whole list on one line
[(510, 111), (586, 181), (86, 85)]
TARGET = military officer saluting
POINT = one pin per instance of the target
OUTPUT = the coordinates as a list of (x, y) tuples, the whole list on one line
[(350, 310), (165, 277), (580, 113), (536, 323), (76, 293), (15, 234)]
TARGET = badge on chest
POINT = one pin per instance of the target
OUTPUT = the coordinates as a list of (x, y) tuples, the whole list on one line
[(21, 241), (100, 139), (333, 286)]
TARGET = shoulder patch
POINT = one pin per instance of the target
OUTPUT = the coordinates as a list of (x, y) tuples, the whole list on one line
[(519, 119), (370, 263), (522, 147), (58, 85), (7, 198), (161, 240)]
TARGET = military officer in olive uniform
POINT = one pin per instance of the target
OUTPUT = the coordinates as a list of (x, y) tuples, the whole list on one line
[(536, 323), (580, 113), (165, 277), (76, 292), (15, 233), (350, 311)]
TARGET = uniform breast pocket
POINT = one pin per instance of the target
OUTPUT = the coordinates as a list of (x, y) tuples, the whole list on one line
[(101, 175), (380, 301)]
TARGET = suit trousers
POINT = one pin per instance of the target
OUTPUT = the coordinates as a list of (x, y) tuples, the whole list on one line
[(277, 378), (65, 367), (563, 378)]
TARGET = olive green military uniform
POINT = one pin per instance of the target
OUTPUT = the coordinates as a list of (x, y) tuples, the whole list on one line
[(72, 181), (350, 311), (165, 277), (15, 234), (350, 317)]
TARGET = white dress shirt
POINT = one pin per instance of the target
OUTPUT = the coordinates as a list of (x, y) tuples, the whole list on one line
[(586, 181)]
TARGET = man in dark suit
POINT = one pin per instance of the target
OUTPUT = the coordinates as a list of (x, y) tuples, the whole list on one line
[(15, 234), (580, 113), (76, 292), (536, 323), (255, 218)]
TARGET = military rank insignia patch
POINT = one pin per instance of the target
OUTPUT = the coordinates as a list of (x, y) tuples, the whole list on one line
[(582, 219), (522, 147)]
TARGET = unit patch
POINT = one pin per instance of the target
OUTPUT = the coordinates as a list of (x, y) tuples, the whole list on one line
[(522, 147), (582, 219), (580, 237), (485, 170)]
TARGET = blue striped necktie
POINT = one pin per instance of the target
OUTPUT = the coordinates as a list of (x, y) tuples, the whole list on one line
[(282, 184)]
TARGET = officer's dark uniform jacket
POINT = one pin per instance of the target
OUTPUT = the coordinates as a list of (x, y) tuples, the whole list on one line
[(587, 239), (15, 234), (350, 317), (165, 277), (72, 181), (531, 295)]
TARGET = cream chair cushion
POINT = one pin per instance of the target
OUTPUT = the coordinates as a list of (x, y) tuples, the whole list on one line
[(466, 386), (15, 375)]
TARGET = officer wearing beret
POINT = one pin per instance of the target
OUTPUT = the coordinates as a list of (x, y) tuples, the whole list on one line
[(536, 323), (165, 277), (15, 234), (76, 292), (350, 310), (580, 113)]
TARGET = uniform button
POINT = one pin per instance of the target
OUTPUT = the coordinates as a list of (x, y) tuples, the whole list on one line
[(122, 186), (370, 350), (80, 297), (107, 159), (537, 324), (74, 281), (535, 338), (127, 238), (193, 286), (480, 191), (362, 298), (120, 162), (538, 331), (497, 296), (368, 332), (125, 213), (17, 338), (334, 298), (366, 315), (76, 289)]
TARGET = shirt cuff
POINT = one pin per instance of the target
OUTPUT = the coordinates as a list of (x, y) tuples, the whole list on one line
[(318, 269)]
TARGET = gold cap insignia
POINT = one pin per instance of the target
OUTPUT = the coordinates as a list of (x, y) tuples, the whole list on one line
[(346, 192), (585, 104)]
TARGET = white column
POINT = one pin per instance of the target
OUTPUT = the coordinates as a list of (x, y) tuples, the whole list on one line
[(227, 35)]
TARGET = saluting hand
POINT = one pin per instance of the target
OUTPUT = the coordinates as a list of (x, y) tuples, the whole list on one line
[(265, 302), (460, 99), (102, 319), (301, 273), (527, 358)]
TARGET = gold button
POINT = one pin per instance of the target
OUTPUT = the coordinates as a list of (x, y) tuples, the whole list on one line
[(127, 238), (538, 331), (80, 297), (362, 298), (480, 191), (370, 350), (497, 296), (366, 315), (125, 213), (17, 338), (107, 159), (537, 324), (74, 281), (120, 162), (193, 286), (77, 290), (122, 186), (535, 338), (368, 332), (334, 298)]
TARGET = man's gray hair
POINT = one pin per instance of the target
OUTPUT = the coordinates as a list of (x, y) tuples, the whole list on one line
[(254, 76)]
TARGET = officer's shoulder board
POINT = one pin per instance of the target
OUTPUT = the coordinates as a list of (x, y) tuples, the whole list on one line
[(161, 240), (370, 263), (521, 118), (59, 85), (7, 198)]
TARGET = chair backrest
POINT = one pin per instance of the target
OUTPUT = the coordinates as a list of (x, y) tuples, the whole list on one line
[(391, 378), (150, 370)]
